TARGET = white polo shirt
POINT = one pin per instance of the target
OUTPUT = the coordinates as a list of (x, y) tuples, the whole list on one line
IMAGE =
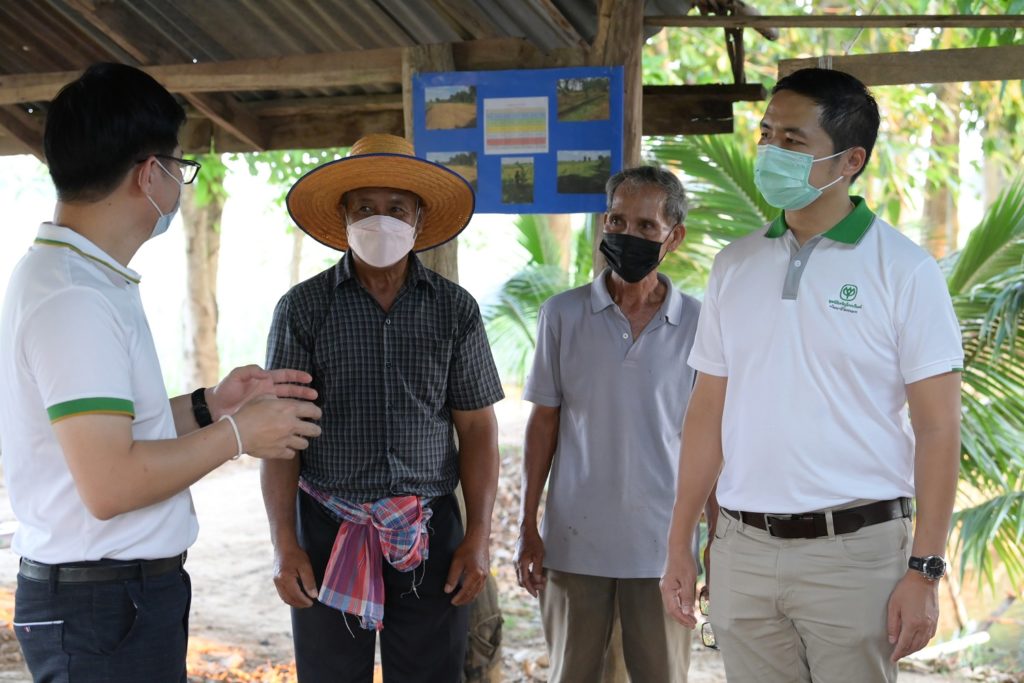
[(74, 340), (818, 343), (622, 402)]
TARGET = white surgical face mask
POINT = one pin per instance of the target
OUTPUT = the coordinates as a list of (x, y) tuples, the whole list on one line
[(783, 177), (381, 241), (163, 220)]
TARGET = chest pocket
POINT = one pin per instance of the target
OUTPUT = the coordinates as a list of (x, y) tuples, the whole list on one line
[(420, 366)]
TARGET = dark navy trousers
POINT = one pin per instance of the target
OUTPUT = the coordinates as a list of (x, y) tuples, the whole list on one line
[(424, 636), (105, 632)]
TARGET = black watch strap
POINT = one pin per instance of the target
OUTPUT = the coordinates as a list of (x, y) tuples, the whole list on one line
[(931, 567), (200, 410)]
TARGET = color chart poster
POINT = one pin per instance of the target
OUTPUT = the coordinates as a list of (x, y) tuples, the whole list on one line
[(529, 141)]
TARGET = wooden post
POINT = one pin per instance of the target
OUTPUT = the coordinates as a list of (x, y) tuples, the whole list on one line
[(443, 259), (620, 41)]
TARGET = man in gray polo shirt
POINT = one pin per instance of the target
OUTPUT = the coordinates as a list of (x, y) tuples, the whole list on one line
[(609, 386)]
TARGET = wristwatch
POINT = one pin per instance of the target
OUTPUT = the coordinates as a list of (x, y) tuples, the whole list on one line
[(932, 567), (200, 410)]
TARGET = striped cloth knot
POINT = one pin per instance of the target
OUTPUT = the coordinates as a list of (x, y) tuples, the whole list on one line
[(392, 528)]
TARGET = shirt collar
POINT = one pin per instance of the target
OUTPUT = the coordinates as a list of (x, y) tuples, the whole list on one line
[(344, 271), (52, 235), (671, 309), (850, 230)]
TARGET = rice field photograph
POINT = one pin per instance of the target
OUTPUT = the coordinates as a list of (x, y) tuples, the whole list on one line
[(451, 106), (583, 171), (583, 99), (463, 163), (517, 180)]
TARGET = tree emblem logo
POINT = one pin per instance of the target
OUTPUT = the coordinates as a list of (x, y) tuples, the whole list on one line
[(848, 292)]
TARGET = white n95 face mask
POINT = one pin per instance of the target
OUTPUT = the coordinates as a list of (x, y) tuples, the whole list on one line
[(163, 220), (381, 241)]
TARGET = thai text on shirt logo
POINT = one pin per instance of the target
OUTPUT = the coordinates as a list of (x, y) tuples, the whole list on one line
[(845, 301)]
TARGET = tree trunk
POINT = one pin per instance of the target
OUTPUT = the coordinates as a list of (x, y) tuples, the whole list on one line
[(443, 260), (560, 225), (295, 267), (202, 246), (941, 224)]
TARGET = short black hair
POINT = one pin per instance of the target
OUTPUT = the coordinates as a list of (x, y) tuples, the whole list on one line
[(849, 113), (674, 208), (101, 124)]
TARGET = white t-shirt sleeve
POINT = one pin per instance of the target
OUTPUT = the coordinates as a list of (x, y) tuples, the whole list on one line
[(929, 340), (543, 386), (708, 352), (77, 350)]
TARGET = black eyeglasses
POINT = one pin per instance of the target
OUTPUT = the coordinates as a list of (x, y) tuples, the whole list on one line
[(707, 636), (187, 169)]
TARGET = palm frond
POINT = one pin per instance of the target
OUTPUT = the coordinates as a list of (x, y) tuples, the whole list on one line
[(996, 245), (510, 316)]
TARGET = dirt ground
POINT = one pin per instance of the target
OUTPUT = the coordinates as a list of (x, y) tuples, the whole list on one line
[(240, 630)]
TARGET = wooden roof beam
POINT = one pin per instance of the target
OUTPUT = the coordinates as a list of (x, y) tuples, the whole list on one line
[(116, 23), (298, 72), (840, 21), (1002, 63), (24, 128)]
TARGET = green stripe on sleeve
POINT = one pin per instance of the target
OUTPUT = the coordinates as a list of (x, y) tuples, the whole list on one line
[(86, 406)]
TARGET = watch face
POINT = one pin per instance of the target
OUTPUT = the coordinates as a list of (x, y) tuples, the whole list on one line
[(934, 567)]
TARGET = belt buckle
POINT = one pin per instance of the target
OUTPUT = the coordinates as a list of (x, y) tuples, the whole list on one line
[(768, 522)]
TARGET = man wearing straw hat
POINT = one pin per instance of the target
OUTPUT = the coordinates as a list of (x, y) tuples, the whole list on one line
[(366, 529)]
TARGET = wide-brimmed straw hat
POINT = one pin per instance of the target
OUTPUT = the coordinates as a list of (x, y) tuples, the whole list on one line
[(381, 160)]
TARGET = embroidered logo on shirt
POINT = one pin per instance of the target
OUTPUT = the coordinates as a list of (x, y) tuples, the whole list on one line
[(845, 302)]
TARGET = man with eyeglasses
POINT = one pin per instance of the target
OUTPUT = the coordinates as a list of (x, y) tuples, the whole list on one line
[(97, 459), (609, 385)]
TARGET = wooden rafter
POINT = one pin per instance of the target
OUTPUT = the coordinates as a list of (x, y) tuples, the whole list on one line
[(314, 71), (1000, 63), (115, 23), (558, 21), (24, 128), (841, 21)]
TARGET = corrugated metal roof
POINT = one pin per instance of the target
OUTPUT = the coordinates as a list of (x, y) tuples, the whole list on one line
[(42, 36)]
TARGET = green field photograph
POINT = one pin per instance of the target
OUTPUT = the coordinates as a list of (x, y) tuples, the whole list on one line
[(517, 180), (583, 171), (463, 163), (451, 106), (583, 99)]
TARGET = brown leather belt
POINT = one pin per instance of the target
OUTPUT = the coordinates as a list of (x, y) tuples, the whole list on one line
[(102, 570), (815, 524)]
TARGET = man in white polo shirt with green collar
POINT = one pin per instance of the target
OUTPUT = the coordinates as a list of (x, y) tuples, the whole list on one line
[(97, 459), (816, 335)]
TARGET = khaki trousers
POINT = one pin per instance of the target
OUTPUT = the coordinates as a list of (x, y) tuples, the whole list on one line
[(578, 612), (795, 611)]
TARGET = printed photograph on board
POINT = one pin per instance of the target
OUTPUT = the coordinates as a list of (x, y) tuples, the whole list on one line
[(463, 163), (583, 171), (451, 106), (516, 180), (583, 99)]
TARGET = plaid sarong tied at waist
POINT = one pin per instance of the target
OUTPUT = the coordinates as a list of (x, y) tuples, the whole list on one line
[(393, 528)]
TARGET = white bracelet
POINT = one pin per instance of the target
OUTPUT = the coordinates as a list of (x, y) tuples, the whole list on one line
[(238, 435)]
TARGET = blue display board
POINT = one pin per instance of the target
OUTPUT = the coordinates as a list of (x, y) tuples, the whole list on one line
[(530, 141)]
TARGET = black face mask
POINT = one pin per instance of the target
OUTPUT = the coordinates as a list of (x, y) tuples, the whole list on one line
[(631, 258)]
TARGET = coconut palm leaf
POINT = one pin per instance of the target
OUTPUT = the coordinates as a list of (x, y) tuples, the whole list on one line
[(724, 202), (995, 246), (510, 314), (986, 281)]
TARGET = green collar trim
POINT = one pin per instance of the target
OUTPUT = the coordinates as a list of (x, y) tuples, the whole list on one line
[(850, 230), (58, 243)]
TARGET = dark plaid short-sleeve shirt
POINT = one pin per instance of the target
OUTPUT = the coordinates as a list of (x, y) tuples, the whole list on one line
[(387, 381)]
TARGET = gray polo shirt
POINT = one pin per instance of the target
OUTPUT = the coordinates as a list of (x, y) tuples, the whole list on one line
[(622, 402)]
